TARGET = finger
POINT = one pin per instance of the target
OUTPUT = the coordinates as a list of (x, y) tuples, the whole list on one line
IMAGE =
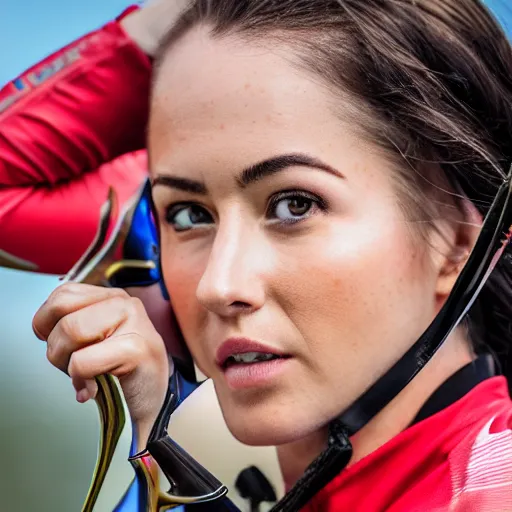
[(87, 326), (85, 389), (119, 356), (66, 299)]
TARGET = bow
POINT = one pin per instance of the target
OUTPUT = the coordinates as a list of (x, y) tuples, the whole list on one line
[(190, 482)]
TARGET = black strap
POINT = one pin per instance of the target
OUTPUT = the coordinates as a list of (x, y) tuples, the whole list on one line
[(320, 472), (458, 386)]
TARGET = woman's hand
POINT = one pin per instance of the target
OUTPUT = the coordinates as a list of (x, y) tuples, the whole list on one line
[(160, 313), (91, 331), (148, 25)]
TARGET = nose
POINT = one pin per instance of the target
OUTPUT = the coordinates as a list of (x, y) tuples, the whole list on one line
[(233, 283)]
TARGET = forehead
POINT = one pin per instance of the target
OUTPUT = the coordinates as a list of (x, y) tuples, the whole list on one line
[(225, 94), (209, 74)]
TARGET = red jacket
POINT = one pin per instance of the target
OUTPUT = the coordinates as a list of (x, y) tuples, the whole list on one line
[(70, 127), (459, 459)]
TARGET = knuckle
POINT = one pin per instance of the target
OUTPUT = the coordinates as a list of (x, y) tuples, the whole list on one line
[(130, 355), (134, 346), (65, 290), (156, 349), (71, 327), (119, 292), (116, 302), (52, 354), (152, 350), (134, 306), (121, 302), (134, 343), (71, 288), (60, 298), (76, 365)]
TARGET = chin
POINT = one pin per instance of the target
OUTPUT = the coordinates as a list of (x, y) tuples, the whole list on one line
[(266, 425), (260, 434)]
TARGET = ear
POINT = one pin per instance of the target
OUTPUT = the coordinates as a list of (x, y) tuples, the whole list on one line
[(463, 234)]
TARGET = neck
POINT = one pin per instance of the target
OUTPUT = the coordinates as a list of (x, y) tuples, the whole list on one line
[(295, 457), (455, 353)]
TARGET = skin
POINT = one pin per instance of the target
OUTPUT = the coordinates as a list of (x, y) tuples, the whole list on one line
[(344, 291), (148, 25), (161, 315)]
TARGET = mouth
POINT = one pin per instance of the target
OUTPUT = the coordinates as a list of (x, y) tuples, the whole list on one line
[(250, 358), (241, 351), (247, 364)]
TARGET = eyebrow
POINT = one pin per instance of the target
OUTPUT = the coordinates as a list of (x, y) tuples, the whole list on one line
[(251, 174), (184, 184)]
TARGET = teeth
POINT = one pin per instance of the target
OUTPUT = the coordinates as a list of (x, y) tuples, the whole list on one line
[(252, 357)]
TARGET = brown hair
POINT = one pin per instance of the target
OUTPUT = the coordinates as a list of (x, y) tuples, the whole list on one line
[(432, 82)]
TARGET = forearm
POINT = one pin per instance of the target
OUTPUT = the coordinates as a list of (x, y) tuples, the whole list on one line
[(53, 226), (77, 109)]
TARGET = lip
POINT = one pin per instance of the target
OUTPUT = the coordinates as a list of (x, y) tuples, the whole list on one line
[(254, 376), (234, 346)]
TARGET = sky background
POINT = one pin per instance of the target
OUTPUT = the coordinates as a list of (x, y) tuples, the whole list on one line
[(31, 29)]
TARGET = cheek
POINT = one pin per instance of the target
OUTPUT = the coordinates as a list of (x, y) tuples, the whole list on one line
[(182, 274), (358, 290)]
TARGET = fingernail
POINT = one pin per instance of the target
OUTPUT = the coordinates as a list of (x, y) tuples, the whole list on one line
[(82, 396)]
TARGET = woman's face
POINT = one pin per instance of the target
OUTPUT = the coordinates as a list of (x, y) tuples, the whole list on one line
[(281, 235)]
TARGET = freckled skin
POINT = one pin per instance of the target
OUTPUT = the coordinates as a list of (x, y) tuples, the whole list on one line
[(345, 292)]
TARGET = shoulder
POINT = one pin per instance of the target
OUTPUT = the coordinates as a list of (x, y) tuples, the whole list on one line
[(481, 465)]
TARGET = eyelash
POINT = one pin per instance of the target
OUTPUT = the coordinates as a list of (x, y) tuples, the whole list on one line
[(291, 194), (320, 203)]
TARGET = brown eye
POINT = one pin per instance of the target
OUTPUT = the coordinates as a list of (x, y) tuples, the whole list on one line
[(299, 206), (294, 206)]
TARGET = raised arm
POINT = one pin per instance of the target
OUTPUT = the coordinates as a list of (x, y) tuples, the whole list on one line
[(72, 126), (77, 109)]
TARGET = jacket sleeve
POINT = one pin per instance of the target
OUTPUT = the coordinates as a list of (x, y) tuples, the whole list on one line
[(70, 127), (77, 109), (51, 227)]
